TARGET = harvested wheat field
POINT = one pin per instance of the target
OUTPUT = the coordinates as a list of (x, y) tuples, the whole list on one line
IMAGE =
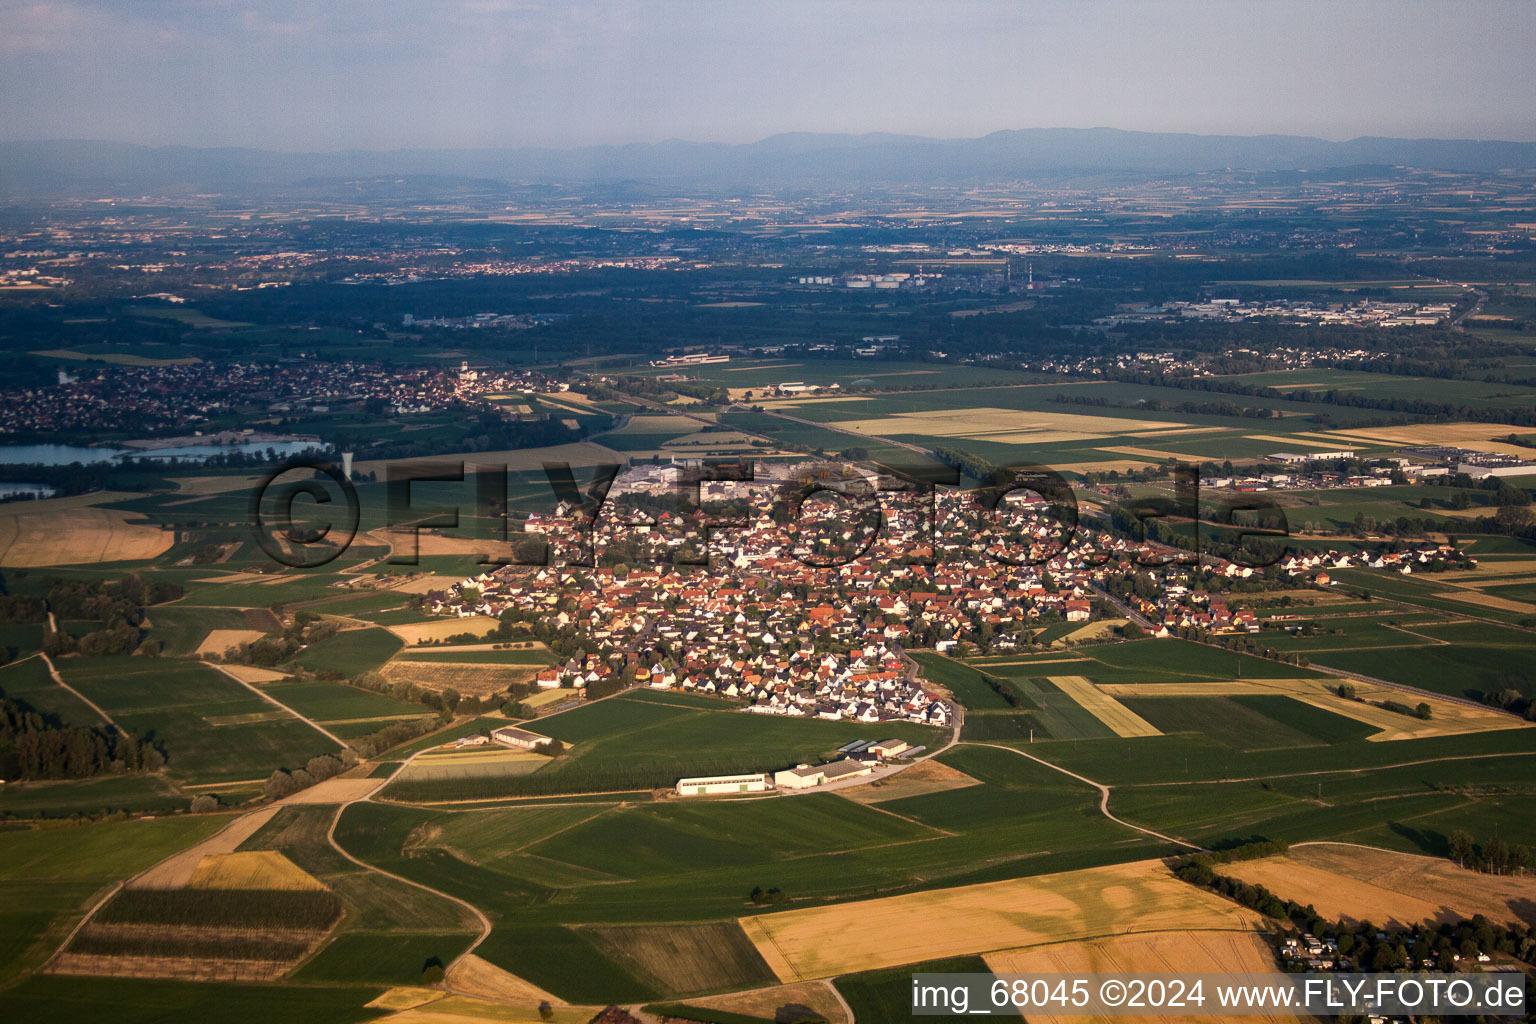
[(474, 976), (1095, 630), (252, 674), (251, 869), (922, 778), (1447, 717), (1181, 953), (1115, 465), (1121, 720), (404, 998), (339, 790), (176, 871), (464, 1010), (1476, 436), (766, 1003), (1118, 900), (220, 640), (75, 536), (438, 629), (1360, 883)]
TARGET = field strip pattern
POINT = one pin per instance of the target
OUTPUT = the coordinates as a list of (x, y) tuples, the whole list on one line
[(1447, 717), (1120, 719)]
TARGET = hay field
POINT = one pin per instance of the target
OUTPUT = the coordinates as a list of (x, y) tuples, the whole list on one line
[(1121, 720), (32, 536), (1448, 717), (1117, 900), (1115, 465), (1359, 883), (404, 997), (339, 790), (176, 871), (1094, 630), (252, 674), (1477, 436), (437, 629), (1180, 953), (919, 780), (766, 1002), (477, 977), (220, 640), (251, 869)]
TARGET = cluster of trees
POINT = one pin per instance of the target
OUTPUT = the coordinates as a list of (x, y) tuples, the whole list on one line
[(393, 735), (1511, 699), (283, 782), (1421, 710), (118, 604), (767, 897), (37, 746), (1495, 856), (307, 628)]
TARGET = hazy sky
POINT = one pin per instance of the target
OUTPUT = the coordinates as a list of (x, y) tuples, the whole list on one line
[(333, 74)]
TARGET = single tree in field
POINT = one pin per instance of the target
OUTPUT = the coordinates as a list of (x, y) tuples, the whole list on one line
[(1461, 847)]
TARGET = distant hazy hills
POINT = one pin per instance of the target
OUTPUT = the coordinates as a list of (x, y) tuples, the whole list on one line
[(53, 167)]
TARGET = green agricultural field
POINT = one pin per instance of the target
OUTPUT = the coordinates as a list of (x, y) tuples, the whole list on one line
[(1247, 723), (536, 868), (380, 958), (29, 681), (986, 726), (969, 685), (1459, 670), (180, 630), (19, 639), (64, 797), (350, 652), (332, 702), (56, 999), (196, 713), (627, 743), (50, 877), (887, 995), (1058, 716)]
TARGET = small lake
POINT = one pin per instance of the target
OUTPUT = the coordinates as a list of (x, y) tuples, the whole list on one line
[(65, 454)]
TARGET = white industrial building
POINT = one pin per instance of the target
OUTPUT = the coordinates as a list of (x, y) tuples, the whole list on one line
[(708, 784)]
